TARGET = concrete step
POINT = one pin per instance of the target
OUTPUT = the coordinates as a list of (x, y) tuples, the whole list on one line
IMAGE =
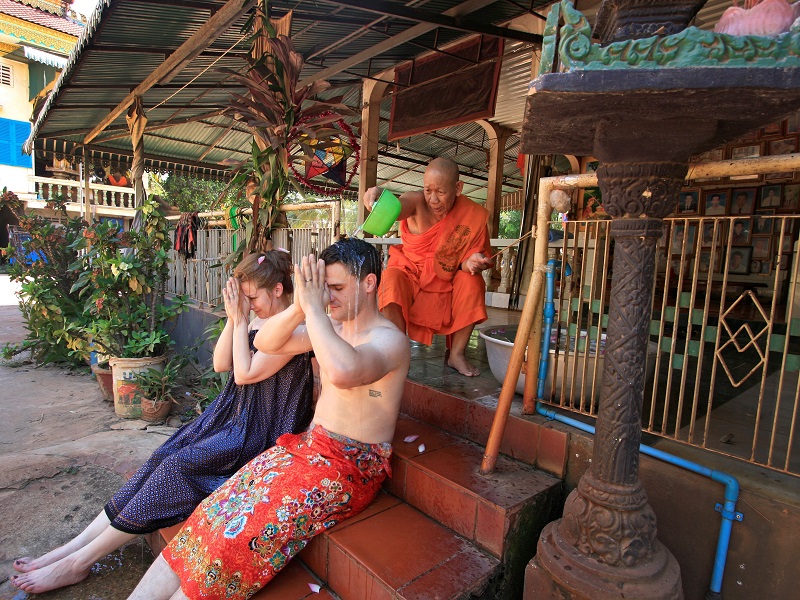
[(440, 530)]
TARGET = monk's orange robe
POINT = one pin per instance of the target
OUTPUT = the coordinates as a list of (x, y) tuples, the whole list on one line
[(424, 275)]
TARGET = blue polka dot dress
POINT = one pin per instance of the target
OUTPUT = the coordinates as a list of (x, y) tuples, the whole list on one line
[(241, 423)]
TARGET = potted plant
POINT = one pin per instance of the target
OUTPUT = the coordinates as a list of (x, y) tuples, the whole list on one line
[(289, 126), (123, 283), (155, 389)]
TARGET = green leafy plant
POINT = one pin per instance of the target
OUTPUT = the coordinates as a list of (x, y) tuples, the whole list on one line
[(161, 385), (51, 310), (287, 123), (123, 285)]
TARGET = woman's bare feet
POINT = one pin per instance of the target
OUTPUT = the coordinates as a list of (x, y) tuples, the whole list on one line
[(24, 564), (59, 574), (27, 564)]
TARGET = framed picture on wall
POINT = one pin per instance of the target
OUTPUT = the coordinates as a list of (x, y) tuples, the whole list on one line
[(771, 196), (688, 202), (793, 123), (772, 129), (762, 224), (739, 261), (715, 203), (742, 230), (704, 261), (761, 247), (710, 156), (784, 145), (743, 201), (683, 239), (766, 267), (791, 197), (742, 151), (709, 238), (755, 267)]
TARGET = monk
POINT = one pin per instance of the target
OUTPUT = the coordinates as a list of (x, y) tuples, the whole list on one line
[(237, 540), (432, 284)]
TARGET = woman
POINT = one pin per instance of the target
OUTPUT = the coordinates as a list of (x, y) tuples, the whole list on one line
[(265, 397)]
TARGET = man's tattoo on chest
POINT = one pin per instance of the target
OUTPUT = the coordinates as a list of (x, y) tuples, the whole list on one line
[(374, 393)]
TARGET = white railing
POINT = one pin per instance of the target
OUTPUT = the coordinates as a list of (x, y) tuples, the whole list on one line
[(100, 196)]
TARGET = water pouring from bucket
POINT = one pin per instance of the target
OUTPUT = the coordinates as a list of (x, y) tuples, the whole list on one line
[(384, 213)]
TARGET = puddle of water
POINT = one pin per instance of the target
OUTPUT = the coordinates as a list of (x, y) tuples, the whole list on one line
[(112, 578)]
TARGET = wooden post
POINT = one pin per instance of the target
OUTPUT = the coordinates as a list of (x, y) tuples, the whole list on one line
[(372, 92)]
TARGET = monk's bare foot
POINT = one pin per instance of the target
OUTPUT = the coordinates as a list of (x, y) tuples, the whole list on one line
[(460, 363), (25, 564), (60, 574)]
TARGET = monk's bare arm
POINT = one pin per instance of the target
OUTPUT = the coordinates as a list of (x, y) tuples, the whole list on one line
[(347, 366), (409, 201), (283, 333)]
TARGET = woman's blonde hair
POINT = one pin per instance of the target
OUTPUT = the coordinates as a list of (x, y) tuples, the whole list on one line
[(266, 270)]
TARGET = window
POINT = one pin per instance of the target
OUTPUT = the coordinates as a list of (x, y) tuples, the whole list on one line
[(12, 135), (6, 75)]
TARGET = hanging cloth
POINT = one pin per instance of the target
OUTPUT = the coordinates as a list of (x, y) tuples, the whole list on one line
[(186, 234)]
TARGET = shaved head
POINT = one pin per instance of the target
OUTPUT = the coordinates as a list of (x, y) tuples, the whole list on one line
[(446, 167)]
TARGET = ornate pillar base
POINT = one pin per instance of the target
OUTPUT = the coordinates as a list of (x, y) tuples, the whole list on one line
[(560, 571)]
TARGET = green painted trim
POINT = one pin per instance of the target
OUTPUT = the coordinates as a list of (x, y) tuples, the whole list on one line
[(794, 327), (792, 364), (694, 348), (547, 62), (677, 361), (691, 47), (710, 334)]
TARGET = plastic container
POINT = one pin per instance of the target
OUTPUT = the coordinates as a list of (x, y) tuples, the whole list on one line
[(126, 403), (384, 213)]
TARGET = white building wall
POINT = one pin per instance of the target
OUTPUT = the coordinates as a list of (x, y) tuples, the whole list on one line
[(14, 105)]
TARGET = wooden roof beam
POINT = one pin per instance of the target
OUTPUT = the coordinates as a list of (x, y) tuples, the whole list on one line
[(438, 19), (205, 35), (397, 40)]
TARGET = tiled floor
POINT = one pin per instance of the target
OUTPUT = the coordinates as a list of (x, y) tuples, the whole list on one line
[(428, 364)]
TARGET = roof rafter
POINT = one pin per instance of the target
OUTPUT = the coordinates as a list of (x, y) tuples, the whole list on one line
[(204, 36), (394, 41), (439, 19)]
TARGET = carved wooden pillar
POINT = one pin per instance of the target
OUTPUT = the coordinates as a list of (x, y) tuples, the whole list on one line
[(605, 545)]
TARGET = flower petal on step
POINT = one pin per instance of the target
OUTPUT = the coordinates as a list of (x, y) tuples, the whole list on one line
[(314, 587), (410, 438), (421, 448)]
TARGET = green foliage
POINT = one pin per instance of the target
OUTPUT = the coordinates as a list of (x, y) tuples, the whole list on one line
[(287, 124), (510, 224), (160, 385), (205, 383), (123, 286), (49, 306), (191, 194)]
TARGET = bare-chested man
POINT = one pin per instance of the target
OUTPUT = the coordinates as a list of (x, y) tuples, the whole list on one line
[(245, 532)]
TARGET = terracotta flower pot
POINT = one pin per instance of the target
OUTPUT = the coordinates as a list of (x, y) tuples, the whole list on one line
[(105, 380), (155, 411)]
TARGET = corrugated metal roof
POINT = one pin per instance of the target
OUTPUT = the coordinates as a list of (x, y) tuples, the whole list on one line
[(126, 40)]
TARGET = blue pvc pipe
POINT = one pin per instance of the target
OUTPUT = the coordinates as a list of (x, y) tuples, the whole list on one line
[(727, 510), (549, 316)]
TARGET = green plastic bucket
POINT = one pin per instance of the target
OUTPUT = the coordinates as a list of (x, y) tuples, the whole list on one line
[(384, 213)]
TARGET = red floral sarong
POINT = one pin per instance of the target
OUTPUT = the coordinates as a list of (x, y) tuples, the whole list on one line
[(239, 537)]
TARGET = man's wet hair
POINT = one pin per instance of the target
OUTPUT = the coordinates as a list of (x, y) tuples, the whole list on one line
[(357, 256)]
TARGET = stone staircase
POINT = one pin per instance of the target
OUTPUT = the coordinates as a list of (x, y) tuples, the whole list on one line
[(439, 530)]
